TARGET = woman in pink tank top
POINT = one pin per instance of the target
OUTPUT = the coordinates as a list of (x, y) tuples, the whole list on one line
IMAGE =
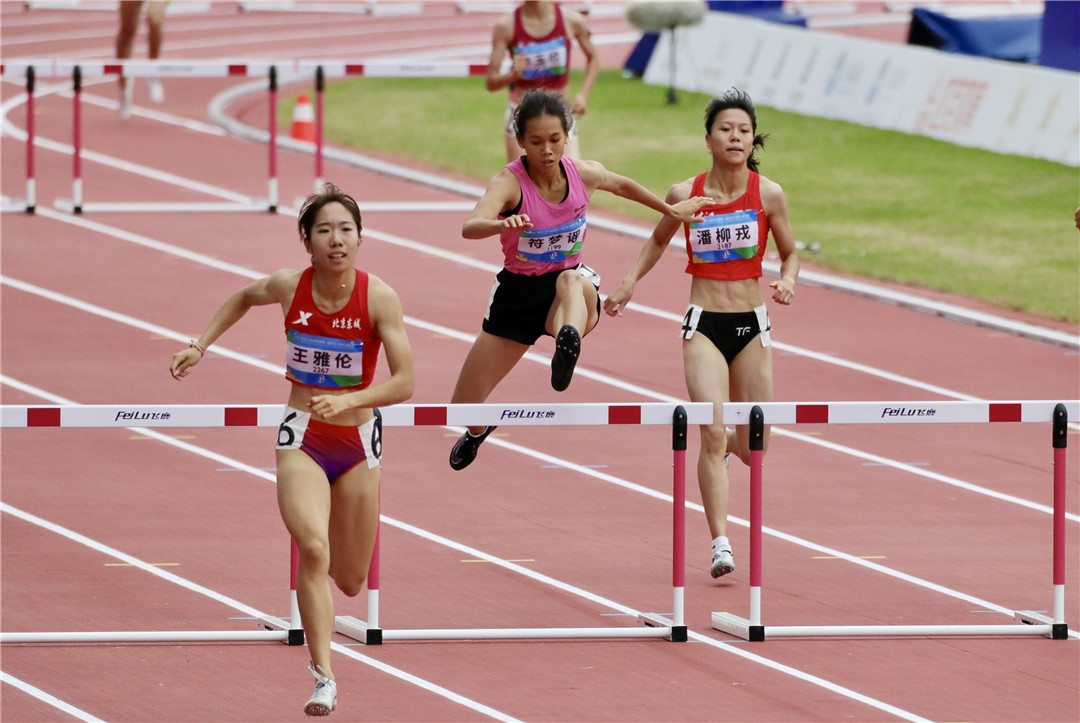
[(536, 206)]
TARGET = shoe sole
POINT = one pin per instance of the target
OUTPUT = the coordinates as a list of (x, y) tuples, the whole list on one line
[(317, 709), (567, 351), (721, 570)]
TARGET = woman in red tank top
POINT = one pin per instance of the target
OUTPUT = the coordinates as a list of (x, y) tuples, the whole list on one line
[(329, 442), (727, 352), (538, 37)]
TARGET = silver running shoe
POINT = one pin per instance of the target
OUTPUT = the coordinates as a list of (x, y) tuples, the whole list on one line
[(324, 699), (723, 562)]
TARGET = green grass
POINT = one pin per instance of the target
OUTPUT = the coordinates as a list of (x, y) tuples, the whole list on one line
[(881, 204)]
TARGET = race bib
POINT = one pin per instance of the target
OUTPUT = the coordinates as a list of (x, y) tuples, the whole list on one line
[(543, 60), (292, 428), (322, 361), (724, 237), (552, 245)]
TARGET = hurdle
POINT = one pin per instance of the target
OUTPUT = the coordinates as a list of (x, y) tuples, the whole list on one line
[(285, 71), (78, 70), (650, 625), (268, 629), (1025, 622)]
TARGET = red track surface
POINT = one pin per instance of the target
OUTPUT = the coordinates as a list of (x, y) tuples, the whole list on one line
[(218, 527)]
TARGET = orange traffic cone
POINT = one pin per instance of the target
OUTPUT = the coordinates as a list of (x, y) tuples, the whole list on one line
[(303, 119)]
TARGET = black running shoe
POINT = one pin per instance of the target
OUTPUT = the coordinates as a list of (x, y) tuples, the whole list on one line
[(464, 451), (567, 349)]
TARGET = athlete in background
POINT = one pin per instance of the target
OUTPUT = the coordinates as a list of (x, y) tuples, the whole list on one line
[(538, 36)]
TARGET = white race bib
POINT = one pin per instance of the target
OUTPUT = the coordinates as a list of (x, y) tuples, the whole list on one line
[(554, 244), (543, 60), (323, 361), (724, 237)]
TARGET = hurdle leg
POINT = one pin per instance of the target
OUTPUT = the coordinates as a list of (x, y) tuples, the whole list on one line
[(76, 192), (368, 633), (296, 626), (677, 625), (320, 83), (272, 179), (27, 206), (31, 182), (1059, 630), (751, 629), (678, 522)]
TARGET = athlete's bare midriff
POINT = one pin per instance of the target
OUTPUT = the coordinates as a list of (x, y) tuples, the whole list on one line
[(723, 295)]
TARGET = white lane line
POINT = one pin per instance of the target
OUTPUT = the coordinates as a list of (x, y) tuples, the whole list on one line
[(49, 698)]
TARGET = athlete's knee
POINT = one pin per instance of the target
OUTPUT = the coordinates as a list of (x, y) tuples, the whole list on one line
[(350, 584), (314, 553), (570, 281), (713, 440)]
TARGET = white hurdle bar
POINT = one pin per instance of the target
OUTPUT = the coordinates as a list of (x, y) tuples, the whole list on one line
[(1026, 622), (650, 625), (15, 416)]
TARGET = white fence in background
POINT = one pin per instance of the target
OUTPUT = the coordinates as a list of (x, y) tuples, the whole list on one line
[(997, 105)]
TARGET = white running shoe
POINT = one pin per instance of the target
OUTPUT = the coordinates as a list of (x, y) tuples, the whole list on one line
[(125, 99), (723, 561), (324, 699), (156, 90)]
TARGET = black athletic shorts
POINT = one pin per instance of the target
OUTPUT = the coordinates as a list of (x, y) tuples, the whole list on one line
[(519, 304), (730, 332)]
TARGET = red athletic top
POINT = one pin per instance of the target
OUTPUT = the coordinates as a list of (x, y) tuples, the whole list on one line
[(548, 57), (330, 351), (729, 244)]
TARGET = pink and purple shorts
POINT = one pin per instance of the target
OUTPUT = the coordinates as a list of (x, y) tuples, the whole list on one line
[(334, 447)]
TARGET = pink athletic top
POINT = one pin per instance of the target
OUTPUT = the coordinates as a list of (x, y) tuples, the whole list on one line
[(729, 244), (330, 351), (548, 58), (554, 242)]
